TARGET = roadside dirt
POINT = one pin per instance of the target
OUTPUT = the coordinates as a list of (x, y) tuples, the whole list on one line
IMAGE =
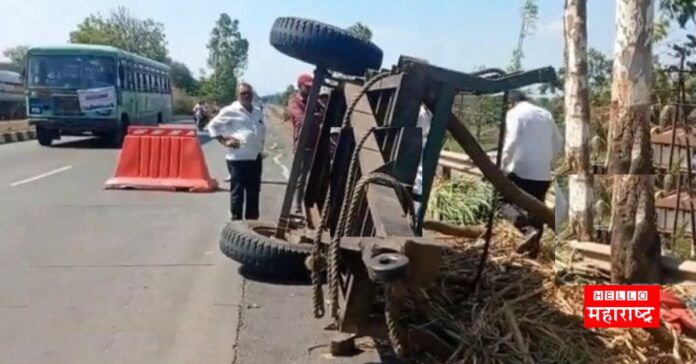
[(7, 126)]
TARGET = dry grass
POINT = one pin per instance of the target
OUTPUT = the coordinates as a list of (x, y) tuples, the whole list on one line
[(523, 313), (7, 126)]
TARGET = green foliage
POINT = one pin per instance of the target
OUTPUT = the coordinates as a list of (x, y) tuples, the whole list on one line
[(680, 11), (182, 77), (599, 68), (17, 55), (462, 201), (666, 82), (123, 30), (279, 98), (182, 102), (227, 56), (530, 16), (478, 112), (9, 66), (361, 31)]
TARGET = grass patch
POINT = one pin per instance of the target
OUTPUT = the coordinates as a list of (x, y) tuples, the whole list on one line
[(462, 201)]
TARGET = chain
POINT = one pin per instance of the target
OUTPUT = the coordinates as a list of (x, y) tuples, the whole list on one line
[(391, 313)]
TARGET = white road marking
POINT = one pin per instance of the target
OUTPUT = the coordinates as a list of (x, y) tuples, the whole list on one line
[(32, 179), (286, 171)]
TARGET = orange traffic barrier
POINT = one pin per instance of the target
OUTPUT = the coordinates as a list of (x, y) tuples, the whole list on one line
[(162, 159)]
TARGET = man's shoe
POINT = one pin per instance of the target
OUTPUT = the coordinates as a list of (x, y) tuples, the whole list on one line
[(530, 244)]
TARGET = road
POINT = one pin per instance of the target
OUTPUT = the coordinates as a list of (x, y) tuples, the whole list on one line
[(89, 275)]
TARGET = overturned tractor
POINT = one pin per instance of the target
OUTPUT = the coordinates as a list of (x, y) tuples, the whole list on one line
[(360, 233)]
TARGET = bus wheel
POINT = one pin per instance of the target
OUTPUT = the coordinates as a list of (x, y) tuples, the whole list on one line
[(120, 133), (44, 136)]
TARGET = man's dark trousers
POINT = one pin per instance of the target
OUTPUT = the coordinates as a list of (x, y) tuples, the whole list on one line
[(522, 220), (245, 184)]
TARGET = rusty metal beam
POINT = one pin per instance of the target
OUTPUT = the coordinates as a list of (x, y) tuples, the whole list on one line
[(479, 85)]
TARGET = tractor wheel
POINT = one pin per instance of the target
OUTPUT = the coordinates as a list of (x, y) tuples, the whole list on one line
[(44, 136), (251, 244), (325, 45)]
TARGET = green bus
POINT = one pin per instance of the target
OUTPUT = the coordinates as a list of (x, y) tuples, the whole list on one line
[(80, 89)]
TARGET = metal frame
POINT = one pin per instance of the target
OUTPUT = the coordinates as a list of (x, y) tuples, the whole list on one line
[(386, 118)]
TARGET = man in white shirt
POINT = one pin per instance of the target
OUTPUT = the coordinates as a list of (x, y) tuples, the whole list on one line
[(241, 129), (532, 145), (425, 117), (200, 114)]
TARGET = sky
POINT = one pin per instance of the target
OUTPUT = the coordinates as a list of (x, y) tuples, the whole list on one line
[(456, 34)]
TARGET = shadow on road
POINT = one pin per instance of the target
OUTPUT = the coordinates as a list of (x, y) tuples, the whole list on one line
[(253, 276), (84, 143)]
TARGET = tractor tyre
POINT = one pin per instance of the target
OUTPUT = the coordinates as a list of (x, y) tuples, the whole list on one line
[(324, 45), (251, 244)]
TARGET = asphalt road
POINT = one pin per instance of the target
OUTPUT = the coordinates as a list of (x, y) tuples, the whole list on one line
[(89, 275)]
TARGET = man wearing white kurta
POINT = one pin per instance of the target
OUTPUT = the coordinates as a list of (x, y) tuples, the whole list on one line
[(240, 128), (532, 145), (425, 117)]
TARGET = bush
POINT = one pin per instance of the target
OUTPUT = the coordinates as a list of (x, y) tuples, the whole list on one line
[(462, 201), (183, 103)]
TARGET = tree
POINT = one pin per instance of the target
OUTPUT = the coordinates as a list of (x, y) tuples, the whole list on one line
[(635, 244), (123, 30), (17, 55), (182, 77), (577, 119), (361, 31), (227, 56), (680, 10), (530, 14)]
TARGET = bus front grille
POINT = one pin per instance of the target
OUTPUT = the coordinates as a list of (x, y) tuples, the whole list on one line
[(66, 106)]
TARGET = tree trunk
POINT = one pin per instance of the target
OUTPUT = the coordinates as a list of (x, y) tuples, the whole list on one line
[(629, 128), (635, 244), (577, 120)]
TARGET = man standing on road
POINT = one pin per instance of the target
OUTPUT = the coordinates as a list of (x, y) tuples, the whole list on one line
[(297, 104), (532, 145), (200, 114), (241, 129)]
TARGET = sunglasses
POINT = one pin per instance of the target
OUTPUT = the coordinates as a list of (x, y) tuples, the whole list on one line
[(244, 93)]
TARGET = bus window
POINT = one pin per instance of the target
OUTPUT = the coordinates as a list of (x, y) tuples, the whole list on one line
[(131, 77), (121, 79)]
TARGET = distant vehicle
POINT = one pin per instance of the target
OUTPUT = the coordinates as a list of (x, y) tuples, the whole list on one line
[(80, 89), (11, 95)]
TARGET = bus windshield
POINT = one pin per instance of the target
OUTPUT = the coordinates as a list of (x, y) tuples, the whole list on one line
[(71, 71)]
